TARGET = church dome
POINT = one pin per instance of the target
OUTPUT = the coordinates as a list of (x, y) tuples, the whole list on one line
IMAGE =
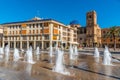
[(74, 22)]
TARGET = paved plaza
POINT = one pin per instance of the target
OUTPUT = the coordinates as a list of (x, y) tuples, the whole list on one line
[(86, 67)]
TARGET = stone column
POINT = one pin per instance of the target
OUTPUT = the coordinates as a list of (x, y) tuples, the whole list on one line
[(3, 43), (20, 42), (27, 42), (51, 33), (43, 36), (9, 43), (14, 44), (42, 45), (34, 44), (61, 35)]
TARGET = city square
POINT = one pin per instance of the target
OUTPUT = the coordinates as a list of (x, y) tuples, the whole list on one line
[(49, 49)]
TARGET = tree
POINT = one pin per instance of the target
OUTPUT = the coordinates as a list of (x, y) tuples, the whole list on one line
[(114, 32)]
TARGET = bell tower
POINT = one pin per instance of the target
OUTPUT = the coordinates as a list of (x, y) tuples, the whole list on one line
[(93, 31), (91, 18)]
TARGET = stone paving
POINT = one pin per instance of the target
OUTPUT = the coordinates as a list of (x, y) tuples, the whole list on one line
[(86, 67)]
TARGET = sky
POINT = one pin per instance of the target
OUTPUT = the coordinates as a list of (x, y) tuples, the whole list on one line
[(108, 11)]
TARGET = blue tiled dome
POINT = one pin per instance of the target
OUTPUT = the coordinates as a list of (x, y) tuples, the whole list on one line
[(74, 22)]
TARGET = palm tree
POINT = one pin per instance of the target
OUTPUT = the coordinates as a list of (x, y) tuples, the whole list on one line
[(114, 32)]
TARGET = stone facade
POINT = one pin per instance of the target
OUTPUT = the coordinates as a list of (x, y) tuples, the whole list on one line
[(92, 35)]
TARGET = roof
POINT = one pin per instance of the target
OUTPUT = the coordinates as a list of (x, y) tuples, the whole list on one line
[(30, 21)]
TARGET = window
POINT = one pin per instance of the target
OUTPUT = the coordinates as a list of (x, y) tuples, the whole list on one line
[(5, 38), (80, 38), (33, 37), (37, 31), (119, 40), (90, 16), (33, 25), (33, 31), (68, 29), (10, 27), (36, 37), (103, 31), (36, 25), (46, 36), (30, 31), (29, 37), (45, 24), (24, 38), (40, 24), (111, 40)]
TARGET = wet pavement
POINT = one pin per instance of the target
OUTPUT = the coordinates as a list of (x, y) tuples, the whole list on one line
[(86, 67)]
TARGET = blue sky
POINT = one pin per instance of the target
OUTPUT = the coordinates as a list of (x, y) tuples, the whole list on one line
[(108, 11)]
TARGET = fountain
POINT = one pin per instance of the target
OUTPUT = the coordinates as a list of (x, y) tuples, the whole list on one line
[(56, 49), (30, 48), (37, 53), (107, 57), (75, 50), (51, 51), (16, 55), (29, 56), (1, 52), (7, 53), (59, 67), (28, 69), (96, 52), (71, 53)]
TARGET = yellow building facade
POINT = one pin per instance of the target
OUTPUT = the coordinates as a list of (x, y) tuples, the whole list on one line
[(38, 32), (90, 35), (1, 35)]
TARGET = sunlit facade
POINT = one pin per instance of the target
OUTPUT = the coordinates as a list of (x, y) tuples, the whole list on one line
[(1, 35), (38, 32), (109, 40), (90, 35)]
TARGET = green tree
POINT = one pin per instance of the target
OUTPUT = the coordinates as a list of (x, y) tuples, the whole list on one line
[(114, 32)]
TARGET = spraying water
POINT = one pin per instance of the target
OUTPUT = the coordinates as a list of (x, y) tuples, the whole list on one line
[(75, 50), (30, 48), (7, 53), (16, 56), (1, 52), (29, 55), (71, 53), (56, 49), (51, 51), (28, 69), (37, 53), (59, 67), (107, 57), (96, 52)]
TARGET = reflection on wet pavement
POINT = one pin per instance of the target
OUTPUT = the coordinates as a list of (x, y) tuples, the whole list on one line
[(86, 67)]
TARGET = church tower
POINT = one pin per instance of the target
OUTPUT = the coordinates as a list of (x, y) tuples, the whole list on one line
[(91, 18), (93, 31)]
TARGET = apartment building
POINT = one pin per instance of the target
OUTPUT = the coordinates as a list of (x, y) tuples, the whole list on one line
[(109, 40), (38, 32), (1, 35)]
